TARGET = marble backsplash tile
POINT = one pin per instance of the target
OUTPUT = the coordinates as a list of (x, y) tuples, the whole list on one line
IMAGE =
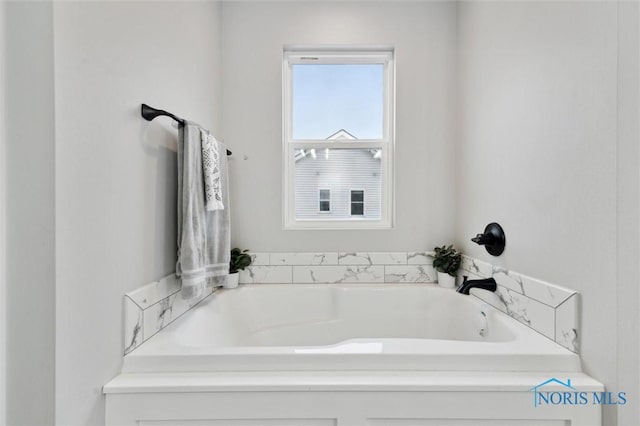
[(373, 258), (547, 293), (419, 257), (266, 274), (260, 259), (567, 323), (550, 309), (133, 324), (338, 274), (304, 258), (409, 274), (151, 308), (339, 267)]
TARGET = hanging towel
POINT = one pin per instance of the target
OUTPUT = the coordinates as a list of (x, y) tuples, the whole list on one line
[(211, 170), (203, 235)]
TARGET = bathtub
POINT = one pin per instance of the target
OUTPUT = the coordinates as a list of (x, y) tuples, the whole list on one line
[(345, 355), (324, 327)]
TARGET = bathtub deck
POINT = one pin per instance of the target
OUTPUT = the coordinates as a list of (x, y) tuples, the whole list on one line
[(434, 381)]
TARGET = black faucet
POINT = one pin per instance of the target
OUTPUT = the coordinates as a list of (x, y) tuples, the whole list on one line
[(485, 284)]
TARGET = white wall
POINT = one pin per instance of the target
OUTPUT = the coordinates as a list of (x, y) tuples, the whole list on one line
[(539, 153), (30, 213), (628, 207), (3, 204), (115, 182), (424, 36)]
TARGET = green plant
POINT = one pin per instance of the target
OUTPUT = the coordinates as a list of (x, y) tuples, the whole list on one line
[(240, 259), (446, 260)]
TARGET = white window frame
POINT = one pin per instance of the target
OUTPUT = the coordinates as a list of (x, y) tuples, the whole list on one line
[(364, 194), (320, 199), (345, 55)]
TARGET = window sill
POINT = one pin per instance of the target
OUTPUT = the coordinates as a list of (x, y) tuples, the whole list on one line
[(325, 225)]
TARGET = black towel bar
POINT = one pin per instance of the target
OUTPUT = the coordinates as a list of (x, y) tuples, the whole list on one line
[(149, 113)]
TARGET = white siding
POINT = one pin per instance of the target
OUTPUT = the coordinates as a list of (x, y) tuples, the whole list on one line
[(346, 169)]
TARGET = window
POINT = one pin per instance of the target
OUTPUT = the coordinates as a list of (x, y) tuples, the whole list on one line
[(357, 202), (324, 200), (338, 128)]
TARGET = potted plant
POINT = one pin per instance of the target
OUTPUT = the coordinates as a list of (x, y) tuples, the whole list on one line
[(240, 259), (446, 262)]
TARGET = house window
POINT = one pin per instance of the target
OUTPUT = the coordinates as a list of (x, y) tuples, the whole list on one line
[(324, 200), (338, 128), (357, 202)]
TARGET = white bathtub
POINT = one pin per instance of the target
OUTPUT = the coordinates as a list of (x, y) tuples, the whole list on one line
[(295, 327), (345, 355)]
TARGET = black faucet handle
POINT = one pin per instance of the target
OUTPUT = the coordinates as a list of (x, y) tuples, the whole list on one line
[(464, 279), (493, 239), (478, 239)]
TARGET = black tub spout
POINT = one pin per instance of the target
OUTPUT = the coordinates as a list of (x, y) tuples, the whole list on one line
[(488, 284)]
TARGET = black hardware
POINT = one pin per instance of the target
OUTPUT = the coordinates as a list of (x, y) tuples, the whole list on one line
[(488, 284), (149, 113), (493, 239)]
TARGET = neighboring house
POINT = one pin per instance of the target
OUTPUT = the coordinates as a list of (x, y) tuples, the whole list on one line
[(338, 183)]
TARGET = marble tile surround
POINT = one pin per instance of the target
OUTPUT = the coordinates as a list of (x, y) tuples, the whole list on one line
[(547, 308), (339, 267), (151, 308)]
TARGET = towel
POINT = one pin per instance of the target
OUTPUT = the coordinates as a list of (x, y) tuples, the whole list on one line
[(211, 171), (203, 235)]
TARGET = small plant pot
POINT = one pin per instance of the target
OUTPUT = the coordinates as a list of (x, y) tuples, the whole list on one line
[(446, 280), (232, 280)]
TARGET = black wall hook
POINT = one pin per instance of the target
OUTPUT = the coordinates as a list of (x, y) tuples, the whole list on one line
[(493, 239)]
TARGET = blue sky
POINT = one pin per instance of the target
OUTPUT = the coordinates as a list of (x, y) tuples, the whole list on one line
[(327, 98)]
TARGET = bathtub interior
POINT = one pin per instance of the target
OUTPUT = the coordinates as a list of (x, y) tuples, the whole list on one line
[(331, 327), (319, 315)]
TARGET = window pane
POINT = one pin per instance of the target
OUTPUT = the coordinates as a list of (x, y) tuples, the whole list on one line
[(328, 99), (357, 195), (357, 209), (339, 170), (324, 206), (325, 194)]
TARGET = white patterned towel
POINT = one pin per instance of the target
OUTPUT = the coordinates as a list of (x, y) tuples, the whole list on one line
[(211, 170)]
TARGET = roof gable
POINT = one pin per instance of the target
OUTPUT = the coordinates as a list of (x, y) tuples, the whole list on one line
[(342, 134)]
